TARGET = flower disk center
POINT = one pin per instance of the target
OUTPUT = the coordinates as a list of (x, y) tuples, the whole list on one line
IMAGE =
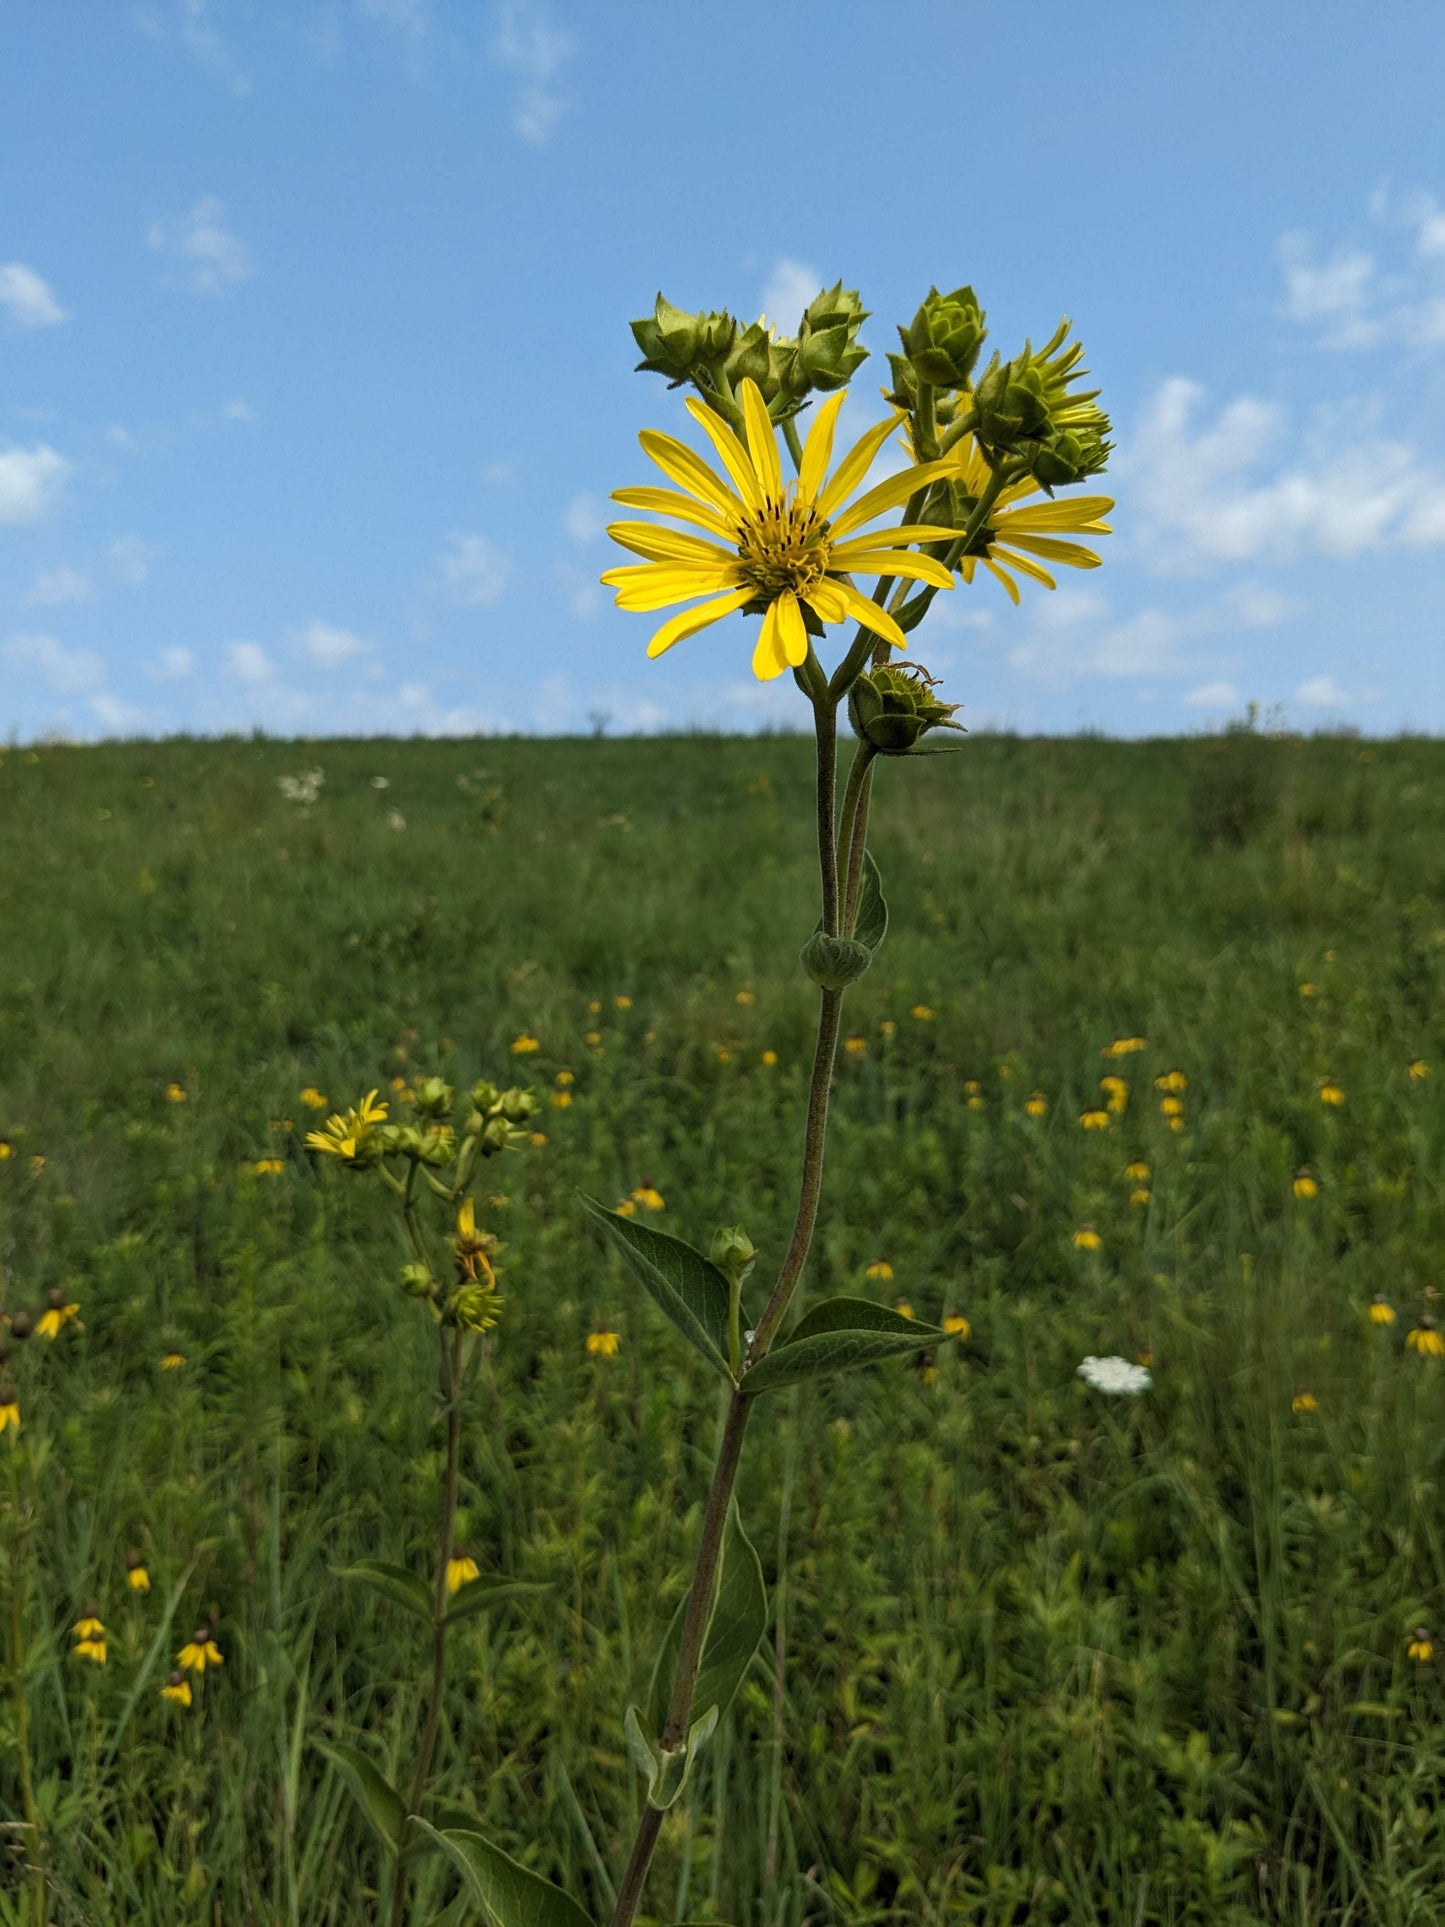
[(783, 546)]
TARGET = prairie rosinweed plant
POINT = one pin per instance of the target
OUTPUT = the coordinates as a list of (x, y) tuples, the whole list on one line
[(428, 1165)]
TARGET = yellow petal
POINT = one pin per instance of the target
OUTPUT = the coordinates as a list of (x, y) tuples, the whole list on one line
[(646, 538), (762, 442), (688, 621), (1076, 556), (769, 657), (792, 633), (1011, 587), (819, 447), (826, 601), (672, 586), (667, 501), (678, 462), (855, 465), (870, 615), (905, 533), (888, 495), (917, 568), (734, 455), (1075, 512), (1025, 567)]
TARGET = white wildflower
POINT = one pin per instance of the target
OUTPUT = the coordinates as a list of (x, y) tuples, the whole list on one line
[(381, 782), (303, 788), (1115, 1375), (396, 820)]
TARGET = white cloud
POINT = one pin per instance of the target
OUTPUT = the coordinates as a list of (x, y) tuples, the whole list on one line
[(1199, 500), (1257, 606), (66, 671), (60, 584), (27, 299), (1353, 302), (1335, 294), (790, 287), (1323, 692), (472, 571), (211, 258), (528, 46), (30, 481), (586, 518), (115, 715), (172, 664), (249, 663), (131, 559), (238, 409), (1212, 695), (192, 24), (329, 647)]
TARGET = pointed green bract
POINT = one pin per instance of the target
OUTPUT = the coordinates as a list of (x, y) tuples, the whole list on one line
[(508, 1892), (395, 1582), (373, 1793), (834, 1337), (738, 1620), (871, 924), (687, 1286)]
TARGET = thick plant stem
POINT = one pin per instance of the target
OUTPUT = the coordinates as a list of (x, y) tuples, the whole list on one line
[(451, 1382), (825, 715), (853, 830)]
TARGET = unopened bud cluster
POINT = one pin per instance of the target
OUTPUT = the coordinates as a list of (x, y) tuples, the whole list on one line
[(892, 707), (714, 352)]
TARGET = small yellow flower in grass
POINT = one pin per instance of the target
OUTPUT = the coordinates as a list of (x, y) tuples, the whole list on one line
[(347, 1137), (956, 1325), (770, 1057), (268, 1167), (136, 1576), (56, 1315), (462, 1569), (1305, 1186), (561, 1100), (887, 1027), (9, 1408), (1087, 1239), (1171, 1107), (977, 1104), (1114, 1086), (1036, 1104), (88, 1626), (745, 997), (172, 1360), (1124, 1047), (175, 1094), (1382, 1312), (903, 1308), (972, 1086), (648, 1194), (622, 1003), (37, 1164), (1137, 1171), (595, 1006), (92, 1649), (524, 1044), (1419, 1646), (603, 1344), (1308, 990), (724, 1055), (593, 1038), (1304, 1402), (927, 1369), (199, 1652), (1417, 1068), (537, 1137), (7, 1149), (398, 1084), (922, 1013), (1177, 1123), (1005, 1072), (1426, 1339), (313, 1099), (1095, 1120), (177, 1689), (1171, 1081), (856, 1046), (89, 1636), (1141, 1194), (564, 1080), (880, 1269), (1331, 1093)]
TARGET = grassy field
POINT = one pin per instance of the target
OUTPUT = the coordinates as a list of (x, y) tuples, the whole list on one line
[(1042, 1656)]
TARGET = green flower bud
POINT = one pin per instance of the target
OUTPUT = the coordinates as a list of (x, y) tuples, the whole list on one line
[(473, 1306), (1025, 408), (433, 1097), (733, 1251), (438, 1145), (669, 340), (751, 359), (834, 962), (417, 1281), (1010, 406), (394, 1140), (716, 335), (904, 392), (828, 350), (518, 1105), (891, 707), (944, 337), (483, 1096), (496, 1135)]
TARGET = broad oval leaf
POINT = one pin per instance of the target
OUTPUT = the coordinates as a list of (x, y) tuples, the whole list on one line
[(834, 1337), (477, 1596), (373, 1793), (687, 1286), (510, 1893), (738, 1621), (406, 1588), (870, 926)]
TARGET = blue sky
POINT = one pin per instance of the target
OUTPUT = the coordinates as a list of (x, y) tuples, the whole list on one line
[(315, 371)]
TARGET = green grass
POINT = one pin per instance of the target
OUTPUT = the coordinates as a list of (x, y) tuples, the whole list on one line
[(1046, 1657)]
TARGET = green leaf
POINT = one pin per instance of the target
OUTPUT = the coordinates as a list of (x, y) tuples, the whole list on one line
[(834, 962), (477, 1596), (937, 745), (871, 923), (834, 1337), (738, 1620), (511, 1895), (377, 1797), (406, 1588), (688, 1287)]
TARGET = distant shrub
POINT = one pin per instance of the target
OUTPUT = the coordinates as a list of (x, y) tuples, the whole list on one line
[(1235, 788)]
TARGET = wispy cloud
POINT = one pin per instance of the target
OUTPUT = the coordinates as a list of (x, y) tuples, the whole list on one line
[(526, 45), (327, 647), (472, 571), (586, 518), (25, 298), (248, 662), (209, 258), (1212, 695), (131, 559), (787, 292), (65, 671), (1323, 692), (192, 25), (171, 664), (31, 480), (60, 584), (1353, 300)]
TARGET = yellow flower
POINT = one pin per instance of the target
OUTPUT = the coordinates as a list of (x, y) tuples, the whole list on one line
[(524, 1045), (593, 1037), (199, 1652), (88, 1627), (1036, 1105), (268, 1167), (1305, 1186), (172, 1360), (622, 1003), (1141, 1195), (1308, 990), (461, 1571), (922, 1013), (92, 1649), (9, 1411), (1382, 1312), (346, 1137), (880, 1269), (977, 1104), (1171, 1107), (745, 997), (175, 1094), (647, 1193), (564, 1080), (1137, 1172), (770, 1057), (1123, 1046), (37, 1164), (1304, 1402), (603, 1344), (625, 1208), (855, 1045), (55, 1317), (1087, 1239), (1425, 1339), (7, 1149), (473, 1248), (1330, 1092), (1171, 1081), (724, 1055), (1035, 528), (537, 1137), (887, 1027), (778, 548), (136, 1576), (1095, 1120), (972, 1086), (1177, 1123), (561, 1100), (594, 1006), (956, 1325), (313, 1099), (178, 1689), (1418, 1068), (1419, 1646), (903, 1308), (1113, 1085)]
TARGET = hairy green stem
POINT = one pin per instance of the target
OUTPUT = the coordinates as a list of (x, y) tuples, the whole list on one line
[(853, 828)]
